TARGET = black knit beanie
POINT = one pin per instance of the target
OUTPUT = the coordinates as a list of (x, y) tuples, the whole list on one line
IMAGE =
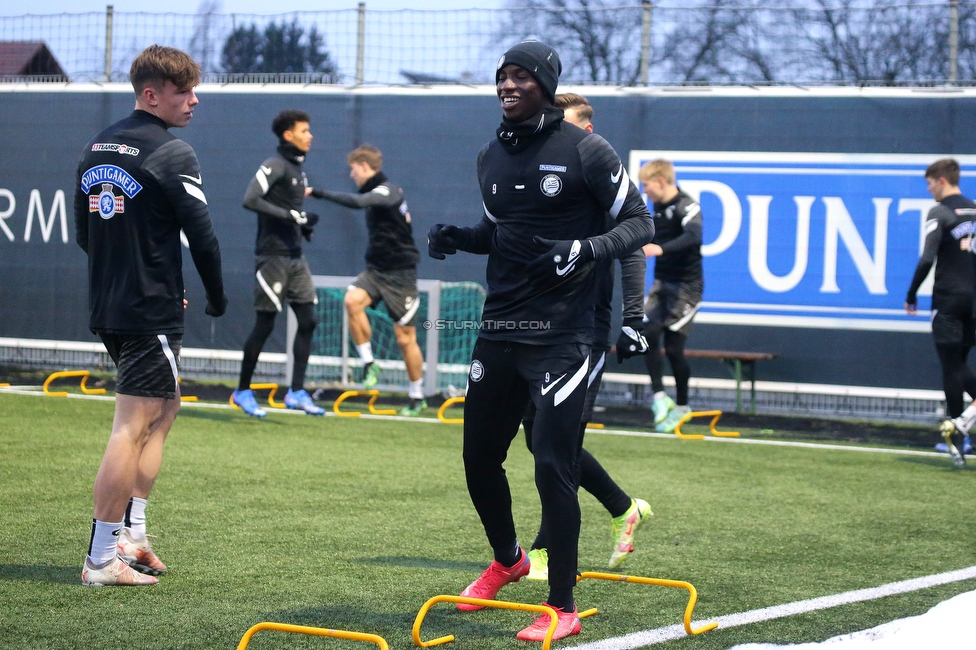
[(539, 60)]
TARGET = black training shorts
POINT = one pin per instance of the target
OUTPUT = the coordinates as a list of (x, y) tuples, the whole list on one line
[(672, 305), (280, 280), (953, 328), (398, 289), (148, 364)]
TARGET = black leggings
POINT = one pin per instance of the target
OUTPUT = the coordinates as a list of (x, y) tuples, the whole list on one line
[(592, 477), (957, 377), (504, 377), (674, 348), (302, 347)]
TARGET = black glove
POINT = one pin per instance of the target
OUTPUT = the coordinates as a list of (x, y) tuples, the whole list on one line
[(216, 308), (311, 220), (631, 341), (307, 231), (563, 258), (443, 240)]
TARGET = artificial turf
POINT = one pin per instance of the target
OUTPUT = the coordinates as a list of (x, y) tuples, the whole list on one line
[(354, 523)]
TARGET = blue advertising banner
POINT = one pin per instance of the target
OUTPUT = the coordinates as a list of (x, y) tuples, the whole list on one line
[(809, 240)]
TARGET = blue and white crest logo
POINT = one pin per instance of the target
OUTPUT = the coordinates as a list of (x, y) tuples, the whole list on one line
[(106, 204), (110, 174)]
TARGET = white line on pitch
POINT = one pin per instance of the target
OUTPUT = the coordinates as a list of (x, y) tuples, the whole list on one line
[(20, 390), (671, 632), (773, 443)]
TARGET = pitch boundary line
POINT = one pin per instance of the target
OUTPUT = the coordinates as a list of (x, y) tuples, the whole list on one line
[(32, 391), (671, 632)]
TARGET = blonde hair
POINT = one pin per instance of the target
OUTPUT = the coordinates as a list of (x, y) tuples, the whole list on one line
[(367, 154), (659, 168), (577, 102), (158, 64)]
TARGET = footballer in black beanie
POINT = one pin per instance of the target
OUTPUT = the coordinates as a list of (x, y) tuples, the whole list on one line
[(539, 60)]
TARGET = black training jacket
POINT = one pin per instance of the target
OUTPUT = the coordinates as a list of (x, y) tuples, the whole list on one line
[(678, 230), (391, 246), (559, 185), (949, 232), (277, 188), (137, 187)]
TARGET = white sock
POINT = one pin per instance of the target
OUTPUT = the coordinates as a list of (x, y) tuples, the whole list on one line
[(965, 421), (660, 395), (365, 351), (416, 390), (682, 408), (135, 517), (104, 538)]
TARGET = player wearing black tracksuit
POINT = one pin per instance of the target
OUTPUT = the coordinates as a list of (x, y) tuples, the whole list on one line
[(674, 298), (138, 186), (547, 187), (950, 230), (276, 193)]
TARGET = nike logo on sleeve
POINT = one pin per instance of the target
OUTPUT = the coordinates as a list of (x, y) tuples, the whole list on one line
[(616, 177)]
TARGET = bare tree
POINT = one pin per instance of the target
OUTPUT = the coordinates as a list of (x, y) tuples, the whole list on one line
[(888, 42), (597, 40), (203, 43)]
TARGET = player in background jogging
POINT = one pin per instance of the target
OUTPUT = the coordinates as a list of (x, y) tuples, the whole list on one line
[(949, 232), (626, 514), (547, 187), (276, 193), (675, 296), (391, 269), (138, 186)]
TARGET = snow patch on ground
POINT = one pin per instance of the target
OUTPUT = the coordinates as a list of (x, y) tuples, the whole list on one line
[(945, 627)]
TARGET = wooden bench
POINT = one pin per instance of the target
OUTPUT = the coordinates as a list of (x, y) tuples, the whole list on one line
[(742, 365)]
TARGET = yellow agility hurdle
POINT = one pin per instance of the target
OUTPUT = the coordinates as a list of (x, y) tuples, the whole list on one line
[(311, 631), (448, 403), (374, 395), (689, 608), (84, 374), (703, 414), (271, 400), (497, 604), (594, 425)]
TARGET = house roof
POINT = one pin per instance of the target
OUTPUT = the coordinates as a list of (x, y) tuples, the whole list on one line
[(27, 58)]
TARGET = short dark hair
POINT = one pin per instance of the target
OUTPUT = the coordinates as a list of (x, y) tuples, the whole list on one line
[(286, 120), (578, 102), (158, 64), (946, 168), (367, 154)]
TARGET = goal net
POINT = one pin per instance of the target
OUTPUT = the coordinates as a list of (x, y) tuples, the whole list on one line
[(446, 324)]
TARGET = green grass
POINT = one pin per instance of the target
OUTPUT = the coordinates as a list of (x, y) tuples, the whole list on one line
[(353, 524)]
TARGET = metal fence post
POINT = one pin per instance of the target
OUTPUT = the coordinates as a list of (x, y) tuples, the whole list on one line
[(109, 15), (361, 43), (953, 41), (645, 60)]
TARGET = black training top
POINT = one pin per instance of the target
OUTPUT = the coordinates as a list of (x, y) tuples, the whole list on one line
[(949, 231), (137, 187), (559, 182), (278, 188), (391, 244), (678, 230)]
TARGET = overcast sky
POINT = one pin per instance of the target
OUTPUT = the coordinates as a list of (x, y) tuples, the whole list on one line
[(16, 8)]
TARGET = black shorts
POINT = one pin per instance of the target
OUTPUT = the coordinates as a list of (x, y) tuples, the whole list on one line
[(148, 363), (954, 328), (279, 280), (672, 305), (398, 289)]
